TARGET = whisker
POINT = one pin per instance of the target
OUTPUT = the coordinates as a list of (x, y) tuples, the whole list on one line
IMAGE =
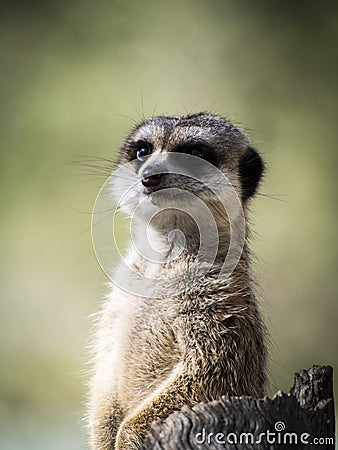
[(272, 196), (90, 213), (94, 171), (155, 107), (99, 167), (111, 212), (86, 158), (142, 106), (184, 107), (276, 197), (96, 223), (138, 113), (127, 117)]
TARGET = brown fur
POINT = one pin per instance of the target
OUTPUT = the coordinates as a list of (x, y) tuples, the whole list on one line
[(154, 355)]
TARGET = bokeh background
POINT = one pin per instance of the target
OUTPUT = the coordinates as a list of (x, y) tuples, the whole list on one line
[(74, 77)]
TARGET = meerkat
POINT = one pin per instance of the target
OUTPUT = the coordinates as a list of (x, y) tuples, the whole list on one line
[(193, 336)]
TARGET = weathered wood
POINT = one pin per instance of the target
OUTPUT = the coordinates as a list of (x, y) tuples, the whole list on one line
[(287, 421)]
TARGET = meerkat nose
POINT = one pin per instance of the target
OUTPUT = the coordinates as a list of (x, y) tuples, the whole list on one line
[(148, 179), (151, 180)]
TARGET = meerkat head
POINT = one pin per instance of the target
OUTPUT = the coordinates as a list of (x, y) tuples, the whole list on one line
[(169, 160)]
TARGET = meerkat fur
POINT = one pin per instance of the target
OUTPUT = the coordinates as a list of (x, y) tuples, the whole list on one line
[(191, 342)]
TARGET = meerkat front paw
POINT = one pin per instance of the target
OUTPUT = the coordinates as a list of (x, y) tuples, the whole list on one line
[(104, 423), (131, 434)]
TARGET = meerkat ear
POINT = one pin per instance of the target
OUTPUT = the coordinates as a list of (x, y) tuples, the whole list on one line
[(251, 168)]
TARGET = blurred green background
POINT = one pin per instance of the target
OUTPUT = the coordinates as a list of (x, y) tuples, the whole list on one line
[(74, 76)]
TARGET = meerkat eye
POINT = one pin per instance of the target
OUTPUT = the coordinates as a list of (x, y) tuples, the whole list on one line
[(199, 149), (143, 151), (197, 152)]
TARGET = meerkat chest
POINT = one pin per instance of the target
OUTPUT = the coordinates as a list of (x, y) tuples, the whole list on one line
[(145, 344)]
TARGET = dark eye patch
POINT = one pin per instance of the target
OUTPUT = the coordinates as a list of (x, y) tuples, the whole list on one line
[(201, 150)]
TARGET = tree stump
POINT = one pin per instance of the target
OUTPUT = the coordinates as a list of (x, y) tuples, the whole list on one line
[(302, 419)]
